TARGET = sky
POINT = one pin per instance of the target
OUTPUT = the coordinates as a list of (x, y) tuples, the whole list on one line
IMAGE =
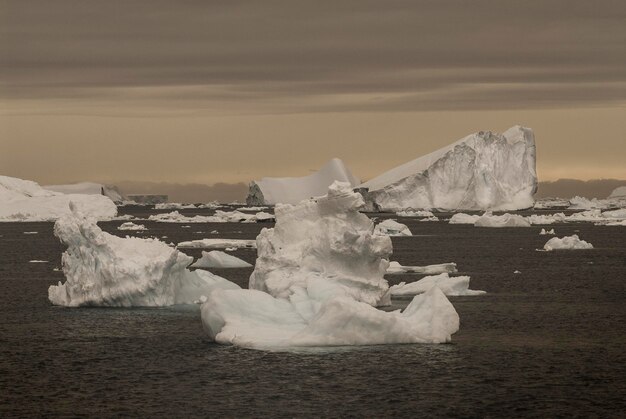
[(210, 92)]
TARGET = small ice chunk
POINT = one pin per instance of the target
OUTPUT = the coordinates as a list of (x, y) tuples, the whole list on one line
[(217, 244), (396, 268), (451, 286), (132, 226), (545, 232), (392, 228), (567, 243), (217, 259), (37, 261)]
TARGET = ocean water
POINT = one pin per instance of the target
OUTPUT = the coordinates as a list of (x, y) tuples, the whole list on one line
[(546, 342)]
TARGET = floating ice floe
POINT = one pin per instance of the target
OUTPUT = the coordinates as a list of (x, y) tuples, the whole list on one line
[(392, 228), (37, 261), (291, 190), (253, 208), (396, 268), (217, 259), (217, 244), (462, 218), (132, 226), (173, 205), (105, 270), (545, 232), (548, 203), (482, 171), (414, 213), (218, 217), (90, 188), (31, 232), (505, 220), (451, 286), (318, 274), (567, 243), (24, 200)]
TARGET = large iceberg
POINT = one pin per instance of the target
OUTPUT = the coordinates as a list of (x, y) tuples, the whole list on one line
[(318, 275), (24, 200), (483, 171), (105, 270), (89, 188), (291, 190)]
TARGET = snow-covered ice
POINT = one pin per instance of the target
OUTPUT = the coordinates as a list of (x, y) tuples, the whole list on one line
[(132, 227), (218, 217), (24, 200), (217, 244), (89, 188), (414, 213), (291, 190), (105, 270), (217, 259), (482, 171), (37, 261), (318, 274), (173, 205), (392, 228), (504, 220), (462, 218), (567, 243), (545, 232), (451, 286), (397, 268)]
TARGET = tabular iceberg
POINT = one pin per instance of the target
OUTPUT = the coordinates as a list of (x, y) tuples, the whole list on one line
[(318, 274), (105, 270), (24, 200), (483, 171), (291, 190)]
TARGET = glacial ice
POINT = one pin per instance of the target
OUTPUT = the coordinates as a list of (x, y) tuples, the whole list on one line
[(291, 190), (318, 274), (545, 232), (414, 213), (89, 188), (392, 228), (504, 220), (483, 171), (217, 244), (462, 218), (218, 217), (24, 200), (567, 243), (451, 286), (217, 259), (105, 270), (132, 227), (619, 192), (397, 268)]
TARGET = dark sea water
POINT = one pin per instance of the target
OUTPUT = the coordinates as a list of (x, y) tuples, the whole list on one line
[(548, 342)]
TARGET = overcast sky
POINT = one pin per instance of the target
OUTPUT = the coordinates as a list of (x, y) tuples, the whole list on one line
[(229, 91)]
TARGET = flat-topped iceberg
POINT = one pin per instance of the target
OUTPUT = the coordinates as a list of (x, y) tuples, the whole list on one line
[(449, 285), (318, 275), (89, 188), (217, 259), (291, 190), (218, 217), (24, 200), (105, 270), (483, 171)]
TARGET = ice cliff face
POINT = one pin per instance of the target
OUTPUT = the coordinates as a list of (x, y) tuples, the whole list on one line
[(24, 200), (318, 274), (89, 188), (291, 190), (106, 270), (483, 171)]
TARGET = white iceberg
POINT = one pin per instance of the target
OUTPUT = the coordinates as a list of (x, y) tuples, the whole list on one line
[(483, 171), (217, 244), (415, 213), (173, 205), (548, 203), (392, 228), (545, 232), (132, 227), (24, 200), (105, 270), (291, 190), (619, 192), (567, 243), (504, 220), (318, 274), (217, 259), (218, 217), (89, 188), (451, 286), (397, 268), (462, 218)]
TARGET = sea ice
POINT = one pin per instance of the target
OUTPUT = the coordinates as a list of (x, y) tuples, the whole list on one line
[(462, 218), (451, 286), (483, 171), (217, 259), (105, 270), (504, 220), (217, 244), (567, 243), (392, 228), (396, 268), (414, 213), (173, 205), (90, 188), (545, 232), (318, 274), (24, 200), (218, 217), (132, 226), (291, 190)]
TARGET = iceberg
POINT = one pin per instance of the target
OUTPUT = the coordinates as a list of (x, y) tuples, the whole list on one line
[(89, 188), (105, 270), (130, 226), (483, 171), (392, 228), (291, 190), (217, 259), (567, 243), (545, 232), (319, 274), (451, 286), (504, 220), (24, 200), (619, 192), (217, 244), (396, 268), (218, 217)]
